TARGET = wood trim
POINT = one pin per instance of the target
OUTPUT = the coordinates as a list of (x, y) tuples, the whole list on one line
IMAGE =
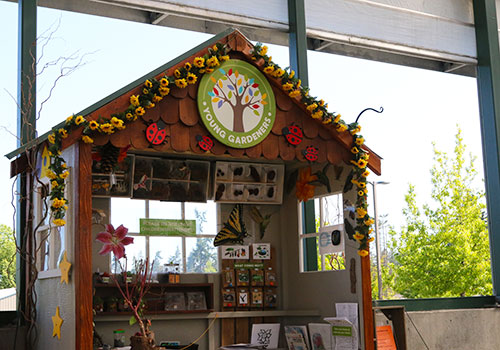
[(83, 249), (366, 287)]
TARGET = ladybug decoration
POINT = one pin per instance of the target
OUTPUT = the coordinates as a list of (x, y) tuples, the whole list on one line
[(310, 153), (156, 133), (205, 142), (293, 134)]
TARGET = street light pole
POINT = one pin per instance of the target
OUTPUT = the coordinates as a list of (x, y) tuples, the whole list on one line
[(377, 236)]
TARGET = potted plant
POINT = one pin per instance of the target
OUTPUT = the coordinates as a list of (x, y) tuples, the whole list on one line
[(133, 294)]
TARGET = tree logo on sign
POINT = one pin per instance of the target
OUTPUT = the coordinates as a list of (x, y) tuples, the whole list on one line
[(237, 104), (240, 95)]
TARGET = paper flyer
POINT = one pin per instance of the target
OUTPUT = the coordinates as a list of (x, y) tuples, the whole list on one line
[(344, 333)]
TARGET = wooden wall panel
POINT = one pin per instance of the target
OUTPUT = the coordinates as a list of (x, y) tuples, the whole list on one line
[(242, 330), (179, 137), (188, 111), (170, 110), (227, 331)]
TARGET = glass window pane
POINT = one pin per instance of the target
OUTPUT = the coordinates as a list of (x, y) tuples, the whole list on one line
[(59, 244), (201, 255), (165, 210), (205, 215), (127, 212), (332, 210), (165, 250), (134, 252)]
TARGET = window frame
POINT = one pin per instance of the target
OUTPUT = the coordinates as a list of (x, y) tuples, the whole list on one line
[(308, 242), (183, 246)]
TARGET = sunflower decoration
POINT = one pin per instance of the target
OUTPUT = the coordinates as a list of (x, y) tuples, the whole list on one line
[(318, 109), (151, 93)]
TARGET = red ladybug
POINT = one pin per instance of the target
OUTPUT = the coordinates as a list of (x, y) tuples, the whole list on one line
[(156, 134), (293, 134), (205, 142), (310, 153)]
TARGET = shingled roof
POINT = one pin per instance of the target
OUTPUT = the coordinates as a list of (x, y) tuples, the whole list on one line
[(180, 113)]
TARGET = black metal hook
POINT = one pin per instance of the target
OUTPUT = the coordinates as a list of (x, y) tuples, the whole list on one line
[(369, 109)]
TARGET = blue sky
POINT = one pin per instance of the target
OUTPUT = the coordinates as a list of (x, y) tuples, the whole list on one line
[(420, 106)]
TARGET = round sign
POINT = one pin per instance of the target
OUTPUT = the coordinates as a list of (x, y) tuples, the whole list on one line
[(236, 104)]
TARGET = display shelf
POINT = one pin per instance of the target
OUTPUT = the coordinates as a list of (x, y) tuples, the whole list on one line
[(194, 298), (102, 184), (214, 314), (252, 183), (170, 179)]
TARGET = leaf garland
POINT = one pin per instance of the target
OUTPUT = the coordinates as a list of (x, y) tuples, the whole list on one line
[(318, 109), (152, 92)]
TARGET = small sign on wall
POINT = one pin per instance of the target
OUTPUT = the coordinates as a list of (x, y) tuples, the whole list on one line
[(331, 239), (165, 227), (236, 252), (261, 251)]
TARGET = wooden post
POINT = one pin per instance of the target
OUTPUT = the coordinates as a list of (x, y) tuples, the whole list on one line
[(366, 287), (83, 249)]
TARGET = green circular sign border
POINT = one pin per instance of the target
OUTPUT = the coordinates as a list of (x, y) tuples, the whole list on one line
[(259, 78)]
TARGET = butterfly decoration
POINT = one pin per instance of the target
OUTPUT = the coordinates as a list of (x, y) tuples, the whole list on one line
[(234, 230), (156, 133), (293, 134)]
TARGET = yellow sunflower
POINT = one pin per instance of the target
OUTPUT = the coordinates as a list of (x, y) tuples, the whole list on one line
[(199, 62), (181, 83), (93, 125), (191, 78), (79, 120)]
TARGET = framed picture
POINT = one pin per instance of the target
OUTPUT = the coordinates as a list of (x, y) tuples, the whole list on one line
[(266, 334), (175, 301), (196, 301)]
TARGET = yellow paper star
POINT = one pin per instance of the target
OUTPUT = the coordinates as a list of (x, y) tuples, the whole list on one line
[(65, 266), (57, 322)]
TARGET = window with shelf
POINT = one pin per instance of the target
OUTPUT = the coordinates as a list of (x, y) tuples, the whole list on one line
[(193, 254), (322, 249)]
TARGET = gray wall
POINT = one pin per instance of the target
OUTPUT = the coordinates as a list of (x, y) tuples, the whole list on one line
[(316, 290), (452, 329), (50, 292)]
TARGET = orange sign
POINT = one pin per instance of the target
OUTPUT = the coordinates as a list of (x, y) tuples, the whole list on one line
[(385, 338)]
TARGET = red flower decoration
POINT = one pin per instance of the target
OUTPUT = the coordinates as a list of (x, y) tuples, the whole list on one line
[(114, 240)]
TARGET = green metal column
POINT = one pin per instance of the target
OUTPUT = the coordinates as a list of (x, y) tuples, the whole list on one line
[(26, 124), (297, 43), (297, 40), (488, 81)]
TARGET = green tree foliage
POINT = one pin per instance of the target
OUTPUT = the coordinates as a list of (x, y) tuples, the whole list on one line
[(444, 251), (7, 258)]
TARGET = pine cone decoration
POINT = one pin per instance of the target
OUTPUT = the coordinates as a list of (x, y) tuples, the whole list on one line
[(109, 157)]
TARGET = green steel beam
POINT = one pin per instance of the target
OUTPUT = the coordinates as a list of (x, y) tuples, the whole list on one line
[(439, 303), (488, 82), (26, 127), (297, 44), (297, 41)]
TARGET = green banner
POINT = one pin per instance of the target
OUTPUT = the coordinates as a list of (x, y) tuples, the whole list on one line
[(236, 104), (342, 331), (248, 265), (166, 227)]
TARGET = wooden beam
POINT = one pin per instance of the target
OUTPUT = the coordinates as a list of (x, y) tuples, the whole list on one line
[(366, 290), (83, 248)]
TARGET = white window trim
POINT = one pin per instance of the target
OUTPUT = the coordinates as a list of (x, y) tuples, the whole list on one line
[(302, 235), (54, 272)]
